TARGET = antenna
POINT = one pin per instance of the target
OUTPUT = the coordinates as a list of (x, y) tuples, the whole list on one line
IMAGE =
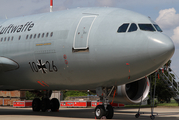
[(51, 5)]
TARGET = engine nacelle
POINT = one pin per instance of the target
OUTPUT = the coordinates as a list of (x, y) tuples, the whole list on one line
[(132, 92)]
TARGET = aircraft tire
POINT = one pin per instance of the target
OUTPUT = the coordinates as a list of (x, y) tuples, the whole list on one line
[(45, 105), (110, 112), (36, 104), (99, 111), (54, 104), (152, 117), (137, 115)]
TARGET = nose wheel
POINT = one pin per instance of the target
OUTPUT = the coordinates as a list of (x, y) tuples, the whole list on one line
[(101, 112), (109, 112)]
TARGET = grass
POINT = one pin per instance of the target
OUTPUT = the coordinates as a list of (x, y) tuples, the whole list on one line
[(173, 103)]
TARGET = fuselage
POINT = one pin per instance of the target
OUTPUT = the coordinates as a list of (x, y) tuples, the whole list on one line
[(80, 49)]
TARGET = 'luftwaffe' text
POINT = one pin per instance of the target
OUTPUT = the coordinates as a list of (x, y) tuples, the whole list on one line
[(16, 28)]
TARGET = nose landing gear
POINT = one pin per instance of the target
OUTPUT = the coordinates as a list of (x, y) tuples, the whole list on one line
[(104, 110)]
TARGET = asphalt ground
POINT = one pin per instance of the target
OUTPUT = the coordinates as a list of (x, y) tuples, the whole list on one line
[(9, 113)]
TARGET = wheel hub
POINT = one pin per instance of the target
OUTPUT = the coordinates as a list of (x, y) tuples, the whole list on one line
[(98, 112)]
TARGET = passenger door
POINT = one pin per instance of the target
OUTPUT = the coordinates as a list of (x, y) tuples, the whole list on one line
[(82, 32)]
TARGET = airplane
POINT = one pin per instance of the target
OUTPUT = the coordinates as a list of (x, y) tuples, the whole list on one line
[(110, 50)]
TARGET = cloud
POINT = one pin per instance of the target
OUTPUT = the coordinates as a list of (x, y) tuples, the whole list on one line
[(175, 36), (168, 18)]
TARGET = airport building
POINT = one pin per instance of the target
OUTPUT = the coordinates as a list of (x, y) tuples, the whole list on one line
[(7, 97)]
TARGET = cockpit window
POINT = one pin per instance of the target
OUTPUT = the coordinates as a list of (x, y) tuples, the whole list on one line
[(133, 27), (158, 28), (146, 27), (123, 28)]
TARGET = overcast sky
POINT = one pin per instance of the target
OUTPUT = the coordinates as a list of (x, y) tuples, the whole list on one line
[(164, 12)]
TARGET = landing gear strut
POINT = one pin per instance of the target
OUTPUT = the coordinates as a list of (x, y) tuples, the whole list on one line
[(152, 116), (45, 104), (104, 110)]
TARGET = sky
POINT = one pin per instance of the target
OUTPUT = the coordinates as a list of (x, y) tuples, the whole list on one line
[(164, 12)]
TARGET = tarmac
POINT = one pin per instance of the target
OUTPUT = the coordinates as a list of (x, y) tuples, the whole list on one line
[(10, 113)]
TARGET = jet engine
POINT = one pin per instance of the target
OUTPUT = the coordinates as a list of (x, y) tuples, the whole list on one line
[(132, 92)]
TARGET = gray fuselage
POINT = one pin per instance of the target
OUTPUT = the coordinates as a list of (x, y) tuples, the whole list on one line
[(83, 49)]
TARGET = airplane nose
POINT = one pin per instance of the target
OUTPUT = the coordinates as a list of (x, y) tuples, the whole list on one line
[(160, 48)]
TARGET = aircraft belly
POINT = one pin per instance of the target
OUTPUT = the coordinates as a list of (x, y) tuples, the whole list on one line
[(62, 69), (65, 70)]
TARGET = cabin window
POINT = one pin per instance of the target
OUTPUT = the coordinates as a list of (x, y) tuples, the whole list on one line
[(12, 38), (39, 35), (133, 27), (27, 36), (146, 27), (123, 28), (19, 37), (34, 36), (31, 36), (1, 39), (51, 34), (8, 38), (5, 39), (43, 35), (47, 34), (158, 28)]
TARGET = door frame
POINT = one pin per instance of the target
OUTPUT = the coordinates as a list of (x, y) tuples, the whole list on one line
[(95, 16)]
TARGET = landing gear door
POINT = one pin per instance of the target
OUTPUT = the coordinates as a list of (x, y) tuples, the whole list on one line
[(83, 31)]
